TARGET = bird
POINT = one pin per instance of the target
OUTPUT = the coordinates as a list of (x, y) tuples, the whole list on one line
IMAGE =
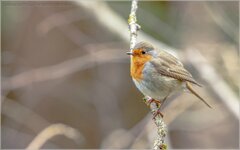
[(158, 74)]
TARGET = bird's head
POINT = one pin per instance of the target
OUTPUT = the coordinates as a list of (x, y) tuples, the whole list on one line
[(142, 51)]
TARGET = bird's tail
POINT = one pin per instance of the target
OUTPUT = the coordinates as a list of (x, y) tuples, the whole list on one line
[(189, 87)]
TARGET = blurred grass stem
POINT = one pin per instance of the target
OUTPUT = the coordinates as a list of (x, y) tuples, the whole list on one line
[(54, 130)]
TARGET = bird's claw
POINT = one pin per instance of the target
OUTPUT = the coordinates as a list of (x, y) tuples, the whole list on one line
[(148, 101), (151, 100), (156, 113)]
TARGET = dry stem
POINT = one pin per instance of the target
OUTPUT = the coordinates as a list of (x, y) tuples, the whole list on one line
[(159, 143), (51, 131)]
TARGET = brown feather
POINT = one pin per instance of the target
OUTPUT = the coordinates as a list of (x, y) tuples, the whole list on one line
[(171, 67), (195, 93)]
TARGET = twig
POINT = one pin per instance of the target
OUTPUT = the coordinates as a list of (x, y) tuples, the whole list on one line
[(222, 20), (35, 121), (103, 14), (159, 143), (58, 19), (51, 131), (64, 21), (60, 70), (133, 26), (214, 80)]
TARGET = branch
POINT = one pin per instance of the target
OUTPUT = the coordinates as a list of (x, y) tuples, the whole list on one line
[(133, 26), (21, 114), (159, 142), (51, 131), (223, 21), (214, 80), (103, 13), (62, 69), (35, 121)]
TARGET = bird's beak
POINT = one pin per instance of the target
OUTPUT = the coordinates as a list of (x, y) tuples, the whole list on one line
[(129, 53)]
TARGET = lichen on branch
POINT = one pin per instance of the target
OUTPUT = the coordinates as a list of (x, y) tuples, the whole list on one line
[(159, 142), (133, 26)]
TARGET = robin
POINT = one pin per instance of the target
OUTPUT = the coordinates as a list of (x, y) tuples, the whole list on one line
[(158, 74)]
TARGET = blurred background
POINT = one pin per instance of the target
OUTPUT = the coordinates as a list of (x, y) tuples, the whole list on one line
[(64, 65)]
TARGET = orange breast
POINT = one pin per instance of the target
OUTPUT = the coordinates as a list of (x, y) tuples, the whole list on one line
[(137, 65)]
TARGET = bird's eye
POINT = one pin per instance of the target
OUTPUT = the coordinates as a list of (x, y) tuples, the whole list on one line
[(143, 52)]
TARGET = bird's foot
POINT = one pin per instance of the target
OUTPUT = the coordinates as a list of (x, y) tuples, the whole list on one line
[(151, 100), (156, 113), (148, 101)]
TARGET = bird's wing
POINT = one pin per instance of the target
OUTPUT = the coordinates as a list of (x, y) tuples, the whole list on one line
[(168, 65)]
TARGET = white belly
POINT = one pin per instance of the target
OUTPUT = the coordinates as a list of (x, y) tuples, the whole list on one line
[(157, 86)]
